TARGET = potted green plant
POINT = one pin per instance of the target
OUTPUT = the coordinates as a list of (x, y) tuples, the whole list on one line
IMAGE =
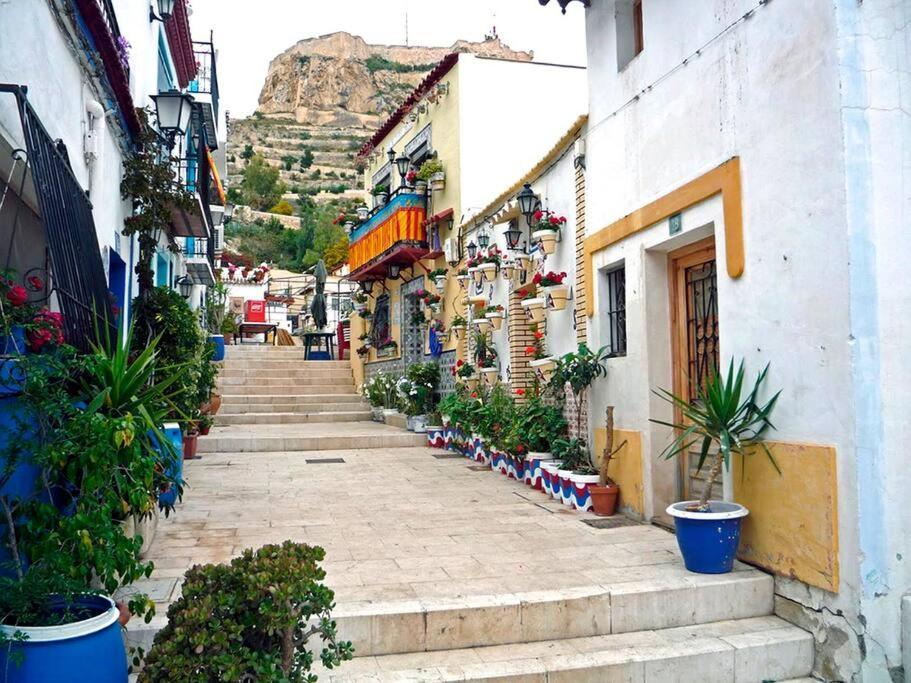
[(724, 422), (536, 427), (387, 347), (374, 391), (435, 431), (438, 275), (205, 424), (252, 619), (540, 361), (494, 314), (431, 172), (466, 373), (463, 277), (605, 495), (489, 263), (438, 327), (380, 195), (572, 456), (457, 325), (416, 391)]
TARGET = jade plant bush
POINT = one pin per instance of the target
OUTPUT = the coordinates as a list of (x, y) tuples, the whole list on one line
[(536, 426), (251, 620), (89, 438), (723, 418)]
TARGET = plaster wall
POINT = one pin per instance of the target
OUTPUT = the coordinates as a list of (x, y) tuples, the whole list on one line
[(768, 92)]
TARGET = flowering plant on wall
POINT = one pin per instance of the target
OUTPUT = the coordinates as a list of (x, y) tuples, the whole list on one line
[(438, 326), (493, 255), (547, 220), (536, 350), (550, 279), (524, 294), (431, 299), (463, 370)]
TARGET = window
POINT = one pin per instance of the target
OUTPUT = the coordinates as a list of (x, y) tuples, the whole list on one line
[(381, 330), (630, 31), (616, 311)]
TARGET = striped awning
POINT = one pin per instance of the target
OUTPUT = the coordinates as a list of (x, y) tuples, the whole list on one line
[(401, 221)]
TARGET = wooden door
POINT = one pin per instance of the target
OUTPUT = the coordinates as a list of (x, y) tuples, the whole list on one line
[(695, 340)]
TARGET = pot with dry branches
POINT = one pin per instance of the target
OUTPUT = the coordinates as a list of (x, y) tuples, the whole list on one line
[(605, 495)]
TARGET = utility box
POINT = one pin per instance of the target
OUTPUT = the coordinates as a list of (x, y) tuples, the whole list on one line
[(254, 311)]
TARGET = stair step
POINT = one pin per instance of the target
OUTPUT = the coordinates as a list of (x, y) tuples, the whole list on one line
[(743, 650), (255, 443), (248, 398), (291, 388), (281, 380), (290, 417), (340, 407), (678, 598), (290, 370)]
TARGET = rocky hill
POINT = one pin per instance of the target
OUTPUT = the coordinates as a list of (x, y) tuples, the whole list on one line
[(324, 97)]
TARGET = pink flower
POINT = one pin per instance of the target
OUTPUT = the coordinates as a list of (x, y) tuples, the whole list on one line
[(36, 282), (17, 295)]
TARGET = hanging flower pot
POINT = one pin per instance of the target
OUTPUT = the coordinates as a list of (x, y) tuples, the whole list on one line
[(478, 300), (489, 271), (437, 182), (535, 308), (420, 187), (491, 375), (483, 324), (523, 262), (476, 274), (495, 318), (463, 281), (543, 367), (509, 270), (457, 330), (546, 239), (440, 281), (557, 296)]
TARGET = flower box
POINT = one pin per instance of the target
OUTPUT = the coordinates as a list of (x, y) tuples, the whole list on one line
[(557, 296), (535, 309), (543, 367)]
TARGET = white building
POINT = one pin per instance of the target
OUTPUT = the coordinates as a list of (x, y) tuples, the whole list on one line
[(85, 65), (746, 180)]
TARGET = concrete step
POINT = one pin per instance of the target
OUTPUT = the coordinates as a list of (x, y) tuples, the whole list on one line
[(291, 388), (229, 398), (290, 417), (289, 370), (349, 406), (742, 650), (287, 380), (270, 363), (319, 437), (677, 598)]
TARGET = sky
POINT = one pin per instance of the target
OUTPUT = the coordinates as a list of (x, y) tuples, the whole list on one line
[(249, 34)]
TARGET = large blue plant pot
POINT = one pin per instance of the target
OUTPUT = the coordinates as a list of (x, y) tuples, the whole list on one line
[(174, 470), (218, 340), (708, 540), (86, 651)]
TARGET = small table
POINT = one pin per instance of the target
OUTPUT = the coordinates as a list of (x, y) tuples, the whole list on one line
[(317, 339), (256, 328)]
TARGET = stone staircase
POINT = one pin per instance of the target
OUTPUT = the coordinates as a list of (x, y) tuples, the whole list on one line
[(315, 403)]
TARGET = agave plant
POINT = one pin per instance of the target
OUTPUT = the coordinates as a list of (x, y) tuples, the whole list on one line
[(721, 416)]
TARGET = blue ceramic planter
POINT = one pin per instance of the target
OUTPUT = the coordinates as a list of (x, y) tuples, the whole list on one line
[(708, 540), (175, 468), (218, 341), (87, 651)]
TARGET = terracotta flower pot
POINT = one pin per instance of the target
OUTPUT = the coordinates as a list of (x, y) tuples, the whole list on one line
[(496, 320), (214, 404), (557, 296), (189, 446), (604, 499), (547, 239)]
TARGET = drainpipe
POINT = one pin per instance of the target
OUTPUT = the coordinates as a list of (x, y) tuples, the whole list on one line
[(93, 141)]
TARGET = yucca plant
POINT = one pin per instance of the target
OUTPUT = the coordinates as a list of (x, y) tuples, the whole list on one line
[(722, 416)]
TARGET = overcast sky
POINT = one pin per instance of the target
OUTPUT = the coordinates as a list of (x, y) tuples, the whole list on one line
[(248, 34)]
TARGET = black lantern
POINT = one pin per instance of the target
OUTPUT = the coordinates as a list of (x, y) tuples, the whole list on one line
[(391, 155), (564, 3), (229, 212), (528, 202), (173, 109), (165, 10), (184, 286), (472, 249), (402, 163), (394, 271), (366, 286), (483, 239), (513, 234)]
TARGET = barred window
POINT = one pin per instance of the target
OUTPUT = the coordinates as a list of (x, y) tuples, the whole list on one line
[(616, 311), (381, 329)]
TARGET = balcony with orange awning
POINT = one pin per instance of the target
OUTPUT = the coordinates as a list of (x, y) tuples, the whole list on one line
[(395, 234)]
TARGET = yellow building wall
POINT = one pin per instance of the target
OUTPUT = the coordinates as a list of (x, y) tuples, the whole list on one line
[(625, 468), (445, 131), (792, 528)]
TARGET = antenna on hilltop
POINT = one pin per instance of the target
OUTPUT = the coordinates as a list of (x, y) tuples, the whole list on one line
[(406, 24), (493, 29)]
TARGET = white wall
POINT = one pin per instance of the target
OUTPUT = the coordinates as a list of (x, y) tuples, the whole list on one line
[(797, 91), (511, 113)]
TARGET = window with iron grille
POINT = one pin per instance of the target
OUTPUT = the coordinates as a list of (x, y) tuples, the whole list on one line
[(381, 319), (616, 311)]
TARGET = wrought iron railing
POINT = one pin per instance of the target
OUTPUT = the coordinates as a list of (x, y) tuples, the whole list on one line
[(207, 75), (78, 282)]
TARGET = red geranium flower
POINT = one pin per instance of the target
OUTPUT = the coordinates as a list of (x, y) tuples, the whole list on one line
[(520, 392), (537, 279), (538, 214), (460, 363), (36, 282), (474, 394), (554, 220), (530, 350), (520, 448), (539, 335), (17, 295)]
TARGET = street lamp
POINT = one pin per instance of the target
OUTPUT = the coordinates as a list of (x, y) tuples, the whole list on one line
[(366, 286), (229, 212), (173, 109), (528, 202), (472, 249), (165, 10), (394, 271), (184, 286), (513, 234), (402, 164), (483, 238)]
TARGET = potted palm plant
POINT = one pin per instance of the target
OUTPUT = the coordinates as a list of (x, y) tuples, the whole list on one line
[(724, 422)]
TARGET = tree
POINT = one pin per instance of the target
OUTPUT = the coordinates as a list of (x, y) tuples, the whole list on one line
[(261, 186), (306, 160), (247, 154), (283, 208), (288, 161)]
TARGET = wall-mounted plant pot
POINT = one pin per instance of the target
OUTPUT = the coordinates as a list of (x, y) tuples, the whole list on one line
[(489, 271), (380, 199), (478, 300), (566, 487), (463, 281), (457, 330), (496, 319), (543, 367), (440, 282), (219, 341), (581, 494), (535, 309), (477, 275), (436, 308), (509, 270), (523, 262), (546, 239), (491, 375), (471, 383), (428, 313), (420, 187), (604, 499), (483, 324), (437, 182), (85, 651), (557, 296), (708, 540)]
